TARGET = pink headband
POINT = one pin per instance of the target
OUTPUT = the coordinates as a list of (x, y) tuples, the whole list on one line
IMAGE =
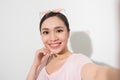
[(54, 10)]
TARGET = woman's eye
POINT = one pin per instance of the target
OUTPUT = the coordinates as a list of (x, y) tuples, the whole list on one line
[(45, 32), (59, 31)]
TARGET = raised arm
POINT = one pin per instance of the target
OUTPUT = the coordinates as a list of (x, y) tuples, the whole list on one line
[(41, 57), (97, 72)]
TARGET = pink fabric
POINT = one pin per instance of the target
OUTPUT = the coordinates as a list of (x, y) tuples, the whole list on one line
[(71, 70)]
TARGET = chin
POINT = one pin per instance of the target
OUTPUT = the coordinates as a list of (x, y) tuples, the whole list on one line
[(57, 51), (54, 50)]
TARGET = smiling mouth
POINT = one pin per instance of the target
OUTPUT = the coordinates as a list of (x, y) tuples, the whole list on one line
[(55, 45)]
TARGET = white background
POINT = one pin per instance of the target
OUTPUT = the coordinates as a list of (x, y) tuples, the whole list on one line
[(94, 32)]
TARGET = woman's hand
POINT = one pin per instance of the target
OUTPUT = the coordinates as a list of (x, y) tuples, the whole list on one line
[(41, 56)]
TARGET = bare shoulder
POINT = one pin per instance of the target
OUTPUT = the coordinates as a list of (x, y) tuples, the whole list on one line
[(89, 71), (97, 72)]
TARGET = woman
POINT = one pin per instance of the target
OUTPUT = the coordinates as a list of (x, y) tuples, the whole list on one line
[(59, 62)]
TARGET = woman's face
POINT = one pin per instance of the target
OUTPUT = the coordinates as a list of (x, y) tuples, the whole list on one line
[(54, 34)]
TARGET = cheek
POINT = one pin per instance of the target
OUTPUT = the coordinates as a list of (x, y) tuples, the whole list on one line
[(44, 39), (64, 37)]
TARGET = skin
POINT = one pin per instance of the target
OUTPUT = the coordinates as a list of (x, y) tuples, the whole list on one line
[(55, 37)]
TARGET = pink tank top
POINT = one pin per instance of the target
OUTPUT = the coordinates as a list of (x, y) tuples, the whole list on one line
[(71, 69)]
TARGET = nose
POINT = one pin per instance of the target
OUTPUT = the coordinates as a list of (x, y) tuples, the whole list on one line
[(53, 37)]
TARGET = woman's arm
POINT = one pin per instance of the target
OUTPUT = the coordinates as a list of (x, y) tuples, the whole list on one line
[(32, 75), (113, 73), (97, 72), (41, 57), (89, 71)]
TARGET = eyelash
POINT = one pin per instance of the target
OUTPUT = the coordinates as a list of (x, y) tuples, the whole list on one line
[(59, 31), (46, 32)]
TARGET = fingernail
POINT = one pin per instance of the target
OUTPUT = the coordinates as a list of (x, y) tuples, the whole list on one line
[(51, 53)]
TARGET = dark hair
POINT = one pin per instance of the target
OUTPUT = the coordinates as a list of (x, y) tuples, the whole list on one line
[(57, 14)]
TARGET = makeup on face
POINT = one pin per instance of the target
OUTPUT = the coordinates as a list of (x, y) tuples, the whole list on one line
[(54, 34)]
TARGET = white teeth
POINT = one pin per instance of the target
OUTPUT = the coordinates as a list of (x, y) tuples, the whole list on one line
[(54, 44)]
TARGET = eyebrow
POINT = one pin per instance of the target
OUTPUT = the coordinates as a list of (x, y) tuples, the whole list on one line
[(44, 28), (55, 28), (58, 27)]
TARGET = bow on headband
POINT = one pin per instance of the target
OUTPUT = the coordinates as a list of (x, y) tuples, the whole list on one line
[(54, 10)]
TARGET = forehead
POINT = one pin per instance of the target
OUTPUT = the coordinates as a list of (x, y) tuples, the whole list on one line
[(52, 22)]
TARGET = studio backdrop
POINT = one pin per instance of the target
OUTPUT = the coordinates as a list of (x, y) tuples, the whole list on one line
[(94, 32)]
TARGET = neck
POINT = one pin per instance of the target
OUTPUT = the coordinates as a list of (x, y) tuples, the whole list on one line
[(62, 55)]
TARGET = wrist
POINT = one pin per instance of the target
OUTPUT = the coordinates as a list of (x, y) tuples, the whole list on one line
[(35, 66)]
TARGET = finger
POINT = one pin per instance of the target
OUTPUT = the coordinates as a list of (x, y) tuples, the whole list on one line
[(44, 51), (51, 53), (47, 51), (45, 58)]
